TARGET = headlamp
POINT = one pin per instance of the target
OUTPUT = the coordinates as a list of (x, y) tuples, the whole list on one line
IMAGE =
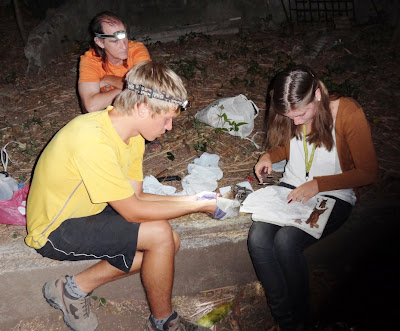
[(116, 35), (140, 89)]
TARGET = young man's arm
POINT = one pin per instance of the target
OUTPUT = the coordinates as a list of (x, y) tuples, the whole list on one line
[(138, 188), (93, 99), (142, 207), (134, 210)]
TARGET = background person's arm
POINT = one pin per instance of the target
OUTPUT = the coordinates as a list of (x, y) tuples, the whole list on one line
[(114, 81), (93, 99)]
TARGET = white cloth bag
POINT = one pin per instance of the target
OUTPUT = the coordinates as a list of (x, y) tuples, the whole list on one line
[(237, 109)]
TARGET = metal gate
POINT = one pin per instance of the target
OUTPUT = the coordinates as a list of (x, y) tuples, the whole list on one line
[(307, 11)]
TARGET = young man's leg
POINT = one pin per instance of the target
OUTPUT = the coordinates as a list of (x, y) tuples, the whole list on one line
[(156, 246), (103, 272), (107, 236), (157, 242)]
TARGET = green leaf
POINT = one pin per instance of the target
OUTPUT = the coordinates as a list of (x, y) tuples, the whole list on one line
[(215, 315), (102, 302), (201, 146), (170, 156)]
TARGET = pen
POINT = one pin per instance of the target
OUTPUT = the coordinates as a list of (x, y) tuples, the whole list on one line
[(290, 201)]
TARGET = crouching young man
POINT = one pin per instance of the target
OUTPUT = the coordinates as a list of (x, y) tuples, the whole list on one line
[(87, 202)]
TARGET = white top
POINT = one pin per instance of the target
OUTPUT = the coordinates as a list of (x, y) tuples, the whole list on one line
[(325, 163)]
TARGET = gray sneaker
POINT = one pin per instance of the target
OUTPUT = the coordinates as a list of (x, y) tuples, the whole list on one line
[(175, 323), (76, 312)]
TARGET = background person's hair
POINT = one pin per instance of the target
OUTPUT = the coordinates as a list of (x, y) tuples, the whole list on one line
[(96, 26), (156, 76), (291, 89)]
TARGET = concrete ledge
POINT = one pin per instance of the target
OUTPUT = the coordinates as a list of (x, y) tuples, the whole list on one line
[(213, 254)]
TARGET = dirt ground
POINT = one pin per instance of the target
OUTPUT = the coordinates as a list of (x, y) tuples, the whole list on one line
[(360, 62)]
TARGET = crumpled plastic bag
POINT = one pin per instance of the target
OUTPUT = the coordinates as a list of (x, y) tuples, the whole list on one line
[(203, 174), (7, 186), (12, 196), (153, 186), (228, 113), (13, 211)]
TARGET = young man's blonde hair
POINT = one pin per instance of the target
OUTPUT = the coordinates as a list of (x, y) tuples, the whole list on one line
[(154, 76)]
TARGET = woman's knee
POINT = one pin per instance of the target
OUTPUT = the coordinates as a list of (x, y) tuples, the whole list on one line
[(291, 240), (258, 236), (259, 243)]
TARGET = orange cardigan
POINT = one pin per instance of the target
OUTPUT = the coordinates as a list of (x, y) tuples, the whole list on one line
[(355, 149)]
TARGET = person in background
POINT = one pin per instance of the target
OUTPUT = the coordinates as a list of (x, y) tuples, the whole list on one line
[(327, 143), (86, 201), (103, 67)]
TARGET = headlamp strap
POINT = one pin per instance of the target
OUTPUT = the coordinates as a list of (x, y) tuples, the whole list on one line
[(117, 35), (140, 89)]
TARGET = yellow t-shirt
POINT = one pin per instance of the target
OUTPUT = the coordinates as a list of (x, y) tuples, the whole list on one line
[(84, 166)]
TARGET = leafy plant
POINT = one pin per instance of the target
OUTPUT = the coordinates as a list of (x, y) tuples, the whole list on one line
[(223, 43), (196, 124), (102, 301), (254, 68), (243, 50), (347, 88), (200, 146), (221, 55), (170, 156), (32, 121), (10, 77), (187, 68), (232, 125), (235, 81), (193, 35), (147, 40)]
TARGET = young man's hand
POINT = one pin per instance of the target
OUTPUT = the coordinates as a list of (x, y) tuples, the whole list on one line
[(206, 195)]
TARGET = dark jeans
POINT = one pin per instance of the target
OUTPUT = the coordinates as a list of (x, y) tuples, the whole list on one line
[(277, 255)]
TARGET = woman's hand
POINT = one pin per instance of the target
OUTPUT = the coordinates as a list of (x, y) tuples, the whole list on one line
[(304, 192), (263, 166)]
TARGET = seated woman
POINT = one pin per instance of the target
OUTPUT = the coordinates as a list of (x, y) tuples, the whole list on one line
[(327, 143)]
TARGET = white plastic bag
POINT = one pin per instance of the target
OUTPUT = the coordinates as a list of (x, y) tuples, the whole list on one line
[(232, 115), (12, 197), (7, 186)]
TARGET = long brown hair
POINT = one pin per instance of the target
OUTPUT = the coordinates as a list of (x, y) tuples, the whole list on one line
[(292, 88), (96, 26)]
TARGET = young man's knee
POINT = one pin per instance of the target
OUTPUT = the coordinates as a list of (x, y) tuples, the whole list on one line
[(177, 241), (162, 232)]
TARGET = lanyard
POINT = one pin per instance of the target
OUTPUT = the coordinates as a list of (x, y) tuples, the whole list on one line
[(308, 161)]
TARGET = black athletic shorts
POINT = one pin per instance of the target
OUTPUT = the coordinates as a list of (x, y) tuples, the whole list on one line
[(105, 236)]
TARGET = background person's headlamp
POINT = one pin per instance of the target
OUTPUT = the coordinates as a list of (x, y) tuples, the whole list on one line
[(117, 35), (140, 89)]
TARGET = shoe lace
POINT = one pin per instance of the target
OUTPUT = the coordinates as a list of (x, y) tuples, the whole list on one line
[(85, 307)]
